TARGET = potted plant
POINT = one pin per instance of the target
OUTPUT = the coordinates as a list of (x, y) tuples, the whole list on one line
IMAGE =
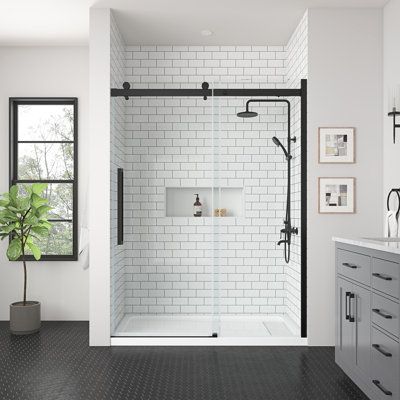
[(23, 219)]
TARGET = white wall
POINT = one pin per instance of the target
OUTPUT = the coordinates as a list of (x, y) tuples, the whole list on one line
[(391, 78), (61, 287), (345, 89), (99, 185)]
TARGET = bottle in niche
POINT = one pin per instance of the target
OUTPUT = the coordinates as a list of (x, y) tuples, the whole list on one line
[(197, 208)]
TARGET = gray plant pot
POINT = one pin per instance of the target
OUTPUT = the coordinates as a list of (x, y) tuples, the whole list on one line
[(24, 319)]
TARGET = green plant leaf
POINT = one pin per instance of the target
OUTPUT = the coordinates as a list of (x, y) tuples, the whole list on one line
[(7, 228), (14, 250), (43, 210), (38, 188), (35, 250), (40, 230), (13, 193), (4, 202), (37, 201)]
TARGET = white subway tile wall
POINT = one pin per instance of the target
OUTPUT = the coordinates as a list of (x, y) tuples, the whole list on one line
[(167, 142)]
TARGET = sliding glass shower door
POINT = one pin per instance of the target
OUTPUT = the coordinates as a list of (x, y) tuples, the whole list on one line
[(171, 246)]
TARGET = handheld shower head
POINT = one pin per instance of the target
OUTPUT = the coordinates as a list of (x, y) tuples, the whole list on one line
[(278, 143)]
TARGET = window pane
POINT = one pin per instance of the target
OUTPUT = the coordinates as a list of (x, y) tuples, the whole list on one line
[(60, 198), (45, 161), (45, 122), (59, 242)]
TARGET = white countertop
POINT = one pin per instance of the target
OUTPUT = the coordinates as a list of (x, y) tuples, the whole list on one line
[(372, 243)]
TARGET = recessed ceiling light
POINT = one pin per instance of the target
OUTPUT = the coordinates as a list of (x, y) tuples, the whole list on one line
[(206, 32)]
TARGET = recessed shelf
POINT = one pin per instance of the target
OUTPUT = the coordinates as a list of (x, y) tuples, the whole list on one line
[(179, 201)]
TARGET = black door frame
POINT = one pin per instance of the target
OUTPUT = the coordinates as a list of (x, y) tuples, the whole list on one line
[(205, 92)]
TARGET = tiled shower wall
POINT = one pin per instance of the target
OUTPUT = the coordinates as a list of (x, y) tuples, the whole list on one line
[(117, 147), (168, 144), (296, 69)]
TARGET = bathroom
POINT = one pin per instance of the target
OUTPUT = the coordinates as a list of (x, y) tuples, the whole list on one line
[(216, 246)]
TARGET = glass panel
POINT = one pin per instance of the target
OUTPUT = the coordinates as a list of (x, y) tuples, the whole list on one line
[(59, 242), (169, 286), (45, 122), (45, 161), (60, 197)]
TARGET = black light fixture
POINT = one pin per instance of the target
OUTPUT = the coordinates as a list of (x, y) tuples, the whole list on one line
[(394, 102)]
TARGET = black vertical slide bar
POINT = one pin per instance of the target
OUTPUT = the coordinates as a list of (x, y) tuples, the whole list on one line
[(304, 208), (120, 206)]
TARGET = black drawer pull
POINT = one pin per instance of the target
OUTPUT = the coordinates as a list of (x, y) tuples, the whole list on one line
[(381, 276), (348, 265), (379, 348), (380, 387), (379, 312)]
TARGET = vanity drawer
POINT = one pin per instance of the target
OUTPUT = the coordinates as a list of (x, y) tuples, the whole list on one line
[(385, 313), (385, 276), (385, 365), (353, 265)]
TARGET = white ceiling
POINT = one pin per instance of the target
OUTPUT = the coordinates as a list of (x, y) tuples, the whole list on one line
[(233, 22)]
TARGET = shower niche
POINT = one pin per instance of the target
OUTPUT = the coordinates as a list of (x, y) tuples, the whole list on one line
[(179, 201)]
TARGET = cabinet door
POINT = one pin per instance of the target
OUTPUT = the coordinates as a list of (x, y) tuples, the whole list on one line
[(362, 326), (345, 348)]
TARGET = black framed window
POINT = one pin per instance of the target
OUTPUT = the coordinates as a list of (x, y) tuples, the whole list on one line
[(43, 148)]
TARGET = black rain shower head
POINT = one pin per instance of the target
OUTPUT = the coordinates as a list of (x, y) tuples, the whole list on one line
[(247, 114), (278, 143)]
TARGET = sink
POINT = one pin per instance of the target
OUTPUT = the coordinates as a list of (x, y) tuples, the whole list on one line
[(384, 239)]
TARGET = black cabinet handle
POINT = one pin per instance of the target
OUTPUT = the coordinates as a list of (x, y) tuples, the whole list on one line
[(381, 276), (381, 388), (347, 301), (348, 265), (379, 348), (382, 314), (351, 318)]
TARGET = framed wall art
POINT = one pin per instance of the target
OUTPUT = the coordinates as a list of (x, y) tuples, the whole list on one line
[(336, 145), (336, 195)]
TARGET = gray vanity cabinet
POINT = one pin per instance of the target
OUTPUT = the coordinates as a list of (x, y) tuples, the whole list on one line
[(368, 319)]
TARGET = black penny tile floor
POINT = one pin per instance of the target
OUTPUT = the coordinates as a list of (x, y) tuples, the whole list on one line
[(57, 363)]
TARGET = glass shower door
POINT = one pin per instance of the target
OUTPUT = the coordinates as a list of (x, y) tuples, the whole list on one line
[(171, 256)]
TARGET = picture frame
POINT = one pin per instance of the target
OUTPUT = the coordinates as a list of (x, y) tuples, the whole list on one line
[(336, 195), (336, 145)]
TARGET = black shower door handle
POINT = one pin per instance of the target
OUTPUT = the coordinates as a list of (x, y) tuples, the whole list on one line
[(120, 206)]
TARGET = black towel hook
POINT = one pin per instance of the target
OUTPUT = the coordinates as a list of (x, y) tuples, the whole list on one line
[(397, 191)]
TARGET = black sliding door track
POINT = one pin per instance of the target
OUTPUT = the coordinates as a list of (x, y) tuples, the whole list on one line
[(205, 92)]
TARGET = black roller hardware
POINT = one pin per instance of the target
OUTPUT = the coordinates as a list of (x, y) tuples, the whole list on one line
[(381, 388), (379, 348), (382, 314), (381, 276)]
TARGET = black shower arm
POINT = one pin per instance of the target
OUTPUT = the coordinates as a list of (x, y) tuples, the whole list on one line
[(274, 101), (268, 101)]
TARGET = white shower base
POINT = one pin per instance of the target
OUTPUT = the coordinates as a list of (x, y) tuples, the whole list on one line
[(196, 330)]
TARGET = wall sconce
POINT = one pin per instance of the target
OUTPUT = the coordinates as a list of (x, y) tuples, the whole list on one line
[(394, 107)]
